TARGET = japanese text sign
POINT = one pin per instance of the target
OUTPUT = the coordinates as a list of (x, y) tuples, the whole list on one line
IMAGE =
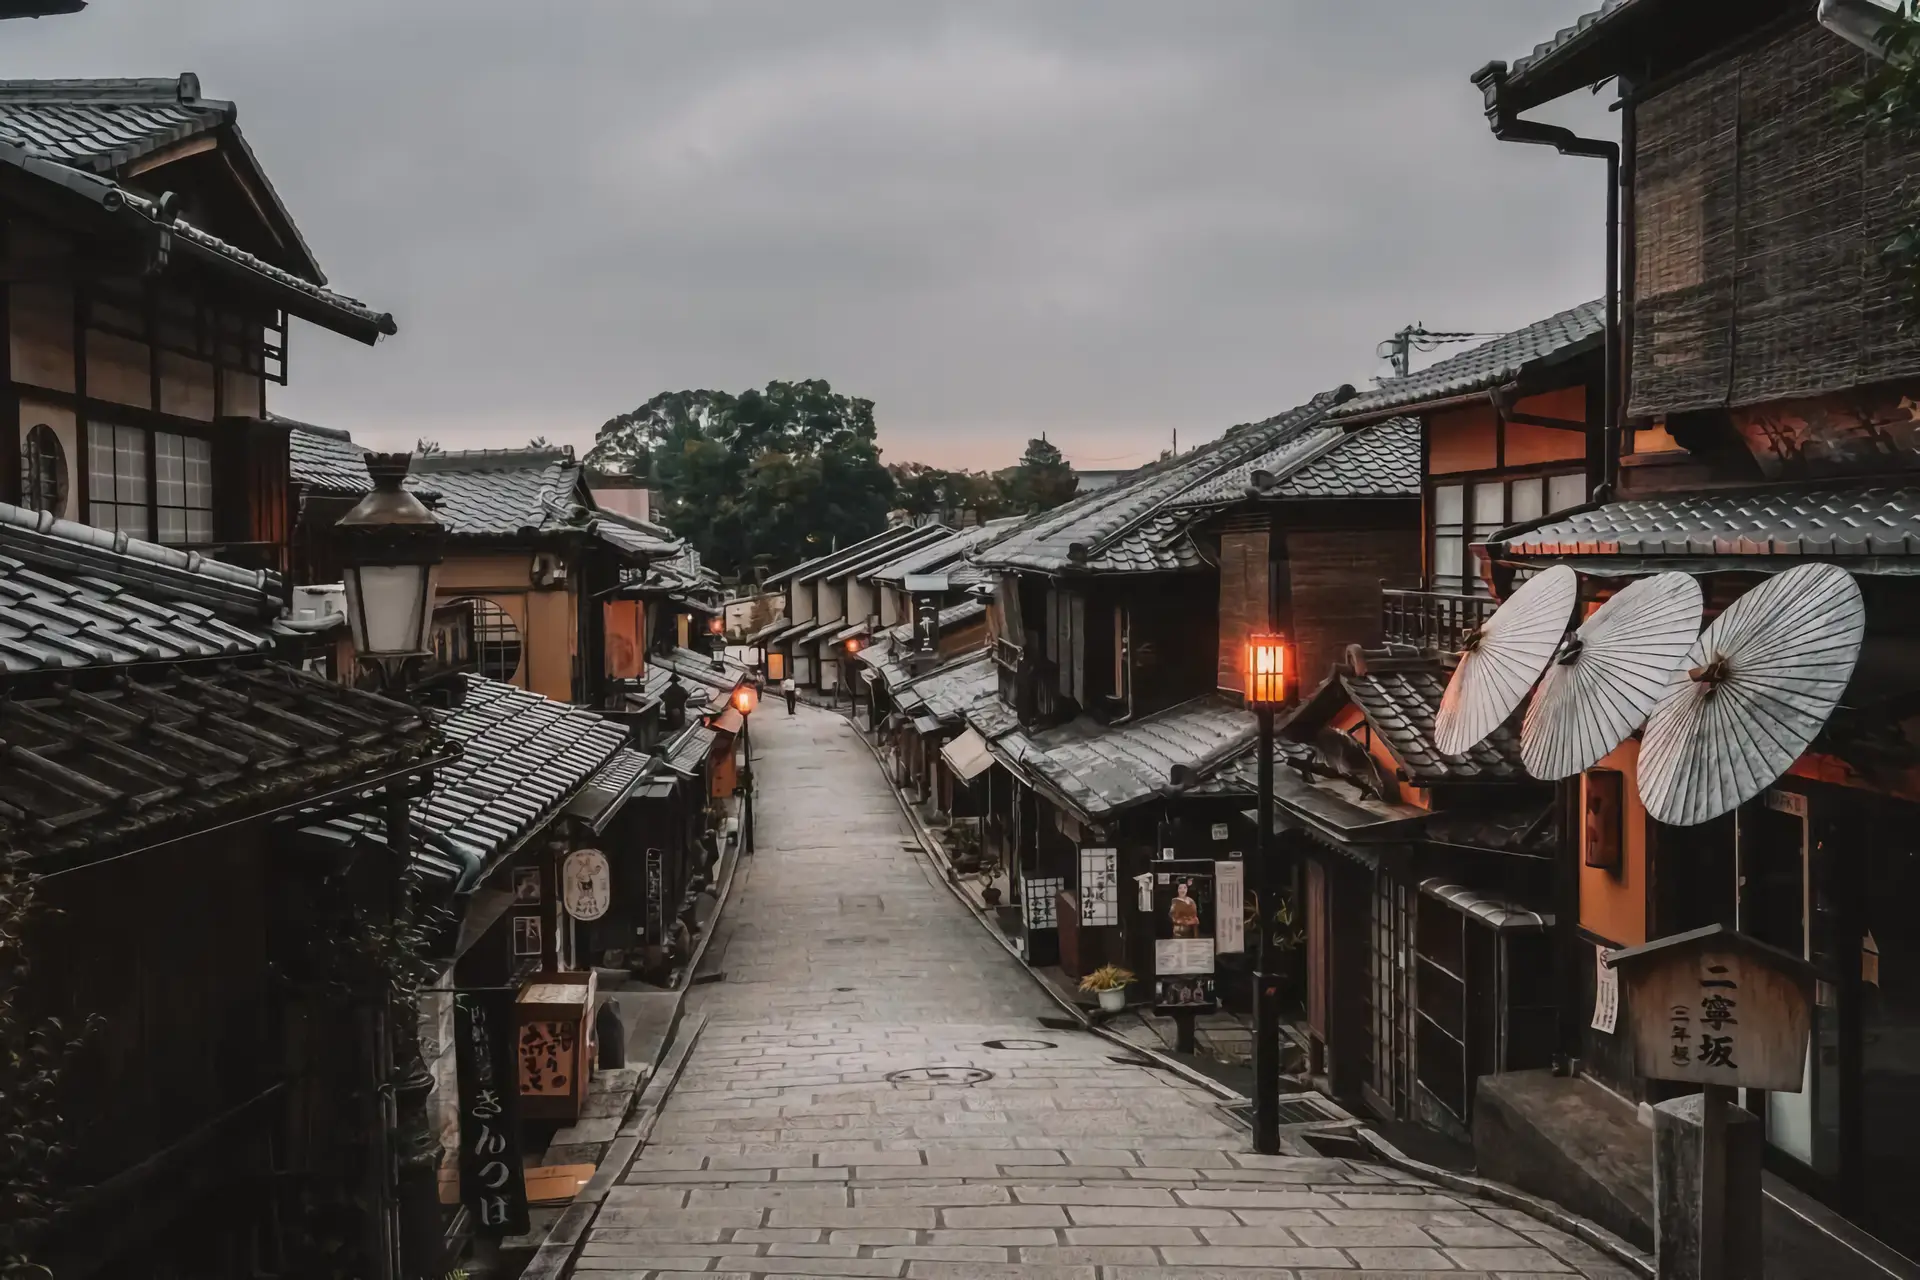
[(1716, 1007), (491, 1181)]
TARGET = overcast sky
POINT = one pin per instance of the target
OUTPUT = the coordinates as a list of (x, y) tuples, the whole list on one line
[(1099, 219)]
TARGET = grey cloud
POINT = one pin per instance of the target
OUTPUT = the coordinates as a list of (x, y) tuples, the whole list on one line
[(1102, 219)]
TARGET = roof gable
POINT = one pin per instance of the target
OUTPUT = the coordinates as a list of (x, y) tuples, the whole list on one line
[(504, 492), (1544, 343)]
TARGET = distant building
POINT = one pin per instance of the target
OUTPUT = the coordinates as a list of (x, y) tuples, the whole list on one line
[(1093, 481), (627, 495)]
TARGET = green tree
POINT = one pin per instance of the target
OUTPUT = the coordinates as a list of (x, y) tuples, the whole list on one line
[(780, 473), (1041, 481)]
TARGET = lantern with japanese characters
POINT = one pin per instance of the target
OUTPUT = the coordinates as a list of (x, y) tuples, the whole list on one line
[(1716, 1007)]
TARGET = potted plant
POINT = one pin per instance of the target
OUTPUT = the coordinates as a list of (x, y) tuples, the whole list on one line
[(1109, 983)]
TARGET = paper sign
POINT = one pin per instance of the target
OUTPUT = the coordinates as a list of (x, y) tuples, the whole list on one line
[(1145, 882), (1229, 912), (1182, 956), (1606, 993), (1219, 831)]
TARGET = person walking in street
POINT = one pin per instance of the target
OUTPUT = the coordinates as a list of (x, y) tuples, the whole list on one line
[(792, 691)]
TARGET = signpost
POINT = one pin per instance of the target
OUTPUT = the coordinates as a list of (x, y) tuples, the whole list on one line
[(491, 1180), (1725, 1011)]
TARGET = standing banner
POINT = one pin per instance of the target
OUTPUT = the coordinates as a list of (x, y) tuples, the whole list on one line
[(1183, 935), (492, 1183)]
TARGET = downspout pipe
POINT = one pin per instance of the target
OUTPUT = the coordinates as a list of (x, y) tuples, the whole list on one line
[(1508, 127)]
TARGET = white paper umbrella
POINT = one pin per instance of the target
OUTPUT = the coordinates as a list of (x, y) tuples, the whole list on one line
[(1751, 694), (1609, 675), (1503, 658)]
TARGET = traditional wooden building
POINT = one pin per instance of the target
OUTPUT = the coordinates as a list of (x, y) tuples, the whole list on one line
[(1768, 372), (160, 761), (816, 609), (1119, 623)]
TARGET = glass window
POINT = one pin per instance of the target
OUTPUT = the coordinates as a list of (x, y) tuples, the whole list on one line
[(1449, 536), (117, 478), (1526, 500), (43, 471), (496, 640), (1566, 491), (1489, 517), (183, 487)]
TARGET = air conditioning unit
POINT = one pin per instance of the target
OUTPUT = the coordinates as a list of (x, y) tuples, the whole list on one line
[(549, 570)]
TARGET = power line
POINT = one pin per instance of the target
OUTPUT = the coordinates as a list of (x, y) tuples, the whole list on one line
[(1400, 347)]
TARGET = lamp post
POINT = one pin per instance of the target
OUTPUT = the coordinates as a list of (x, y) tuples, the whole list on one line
[(390, 550), (1266, 693), (745, 698), (717, 640)]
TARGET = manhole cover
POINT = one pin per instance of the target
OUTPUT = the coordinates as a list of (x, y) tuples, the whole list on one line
[(939, 1075), (1021, 1044)]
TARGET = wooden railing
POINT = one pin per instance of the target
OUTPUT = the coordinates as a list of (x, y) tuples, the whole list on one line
[(1432, 620)]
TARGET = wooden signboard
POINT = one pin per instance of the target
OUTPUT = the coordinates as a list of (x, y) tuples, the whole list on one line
[(491, 1180), (1716, 1007), (554, 1020)]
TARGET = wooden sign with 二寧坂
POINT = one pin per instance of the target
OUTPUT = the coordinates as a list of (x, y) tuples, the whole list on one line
[(1716, 1007)]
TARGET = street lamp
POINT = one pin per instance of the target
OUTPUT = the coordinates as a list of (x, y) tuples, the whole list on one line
[(745, 699), (1267, 672), (717, 640), (390, 550)]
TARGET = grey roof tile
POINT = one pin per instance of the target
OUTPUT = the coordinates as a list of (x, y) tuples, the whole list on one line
[(1489, 365), (523, 756), (687, 754), (1101, 769), (1400, 700), (822, 564), (504, 492), (1571, 39), (943, 552), (1781, 521), (946, 692), (1131, 526), (325, 460)]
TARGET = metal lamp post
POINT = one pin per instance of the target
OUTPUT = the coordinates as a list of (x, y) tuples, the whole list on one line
[(390, 550), (390, 547), (1267, 671), (717, 640)]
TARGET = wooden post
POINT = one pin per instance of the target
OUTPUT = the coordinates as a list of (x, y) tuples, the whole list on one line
[(1183, 1040), (1714, 1101)]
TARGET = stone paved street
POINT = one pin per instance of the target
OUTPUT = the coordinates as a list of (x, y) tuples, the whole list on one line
[(874, 1096)]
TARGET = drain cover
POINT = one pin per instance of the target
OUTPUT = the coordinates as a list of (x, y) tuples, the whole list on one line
[(1021, 1044), (939, 1075)]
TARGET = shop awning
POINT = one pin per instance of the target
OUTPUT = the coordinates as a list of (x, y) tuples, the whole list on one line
[(1503, 916), (967, 756), (769, 631)]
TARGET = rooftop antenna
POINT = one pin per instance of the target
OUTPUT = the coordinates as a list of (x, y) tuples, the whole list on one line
[(1400, 347)]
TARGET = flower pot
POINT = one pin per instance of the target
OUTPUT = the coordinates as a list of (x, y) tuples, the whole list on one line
[(1113, 1000)]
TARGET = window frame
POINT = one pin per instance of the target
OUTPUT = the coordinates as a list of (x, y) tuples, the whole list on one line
[(1470, 528), (63, 479), (148, 436)]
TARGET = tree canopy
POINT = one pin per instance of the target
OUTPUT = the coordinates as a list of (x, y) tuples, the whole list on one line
[(780, 474)]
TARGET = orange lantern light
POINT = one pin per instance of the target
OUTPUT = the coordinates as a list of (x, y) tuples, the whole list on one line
[(1267, 663), (745, 698), (716, 625), (853, 644)]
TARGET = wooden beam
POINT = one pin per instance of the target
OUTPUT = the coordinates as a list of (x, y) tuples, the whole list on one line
[(167, 155)]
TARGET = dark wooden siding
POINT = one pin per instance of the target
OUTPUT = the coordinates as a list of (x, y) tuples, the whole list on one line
[(1761, 216), (1334, 580), (1245, 575)]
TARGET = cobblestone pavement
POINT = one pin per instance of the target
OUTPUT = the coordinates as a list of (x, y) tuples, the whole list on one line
[(874, 1096)]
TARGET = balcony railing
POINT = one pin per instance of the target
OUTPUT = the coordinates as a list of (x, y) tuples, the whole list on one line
[(1435, 621)]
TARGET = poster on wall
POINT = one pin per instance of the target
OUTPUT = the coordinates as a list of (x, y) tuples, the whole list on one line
[(526, 936), (656, 927), (1099, 886), (526, 886), (586, 884), (1230, 921), (492, 1184), (1606, 993), (1184, 926)]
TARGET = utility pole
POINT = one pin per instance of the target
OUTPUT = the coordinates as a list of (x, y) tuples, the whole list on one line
[(1398, 350)]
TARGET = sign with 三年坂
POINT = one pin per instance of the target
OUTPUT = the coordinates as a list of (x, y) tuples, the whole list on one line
[(491, 1182), (586, 884), (1183, 933), (1717, 1007)]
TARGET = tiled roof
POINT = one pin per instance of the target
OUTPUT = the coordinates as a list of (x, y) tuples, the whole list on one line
[(1329, 461), (687, 754), (105, 125), (603, 794), (503, 492), (857, 629), (777, 625), (1570, 40), (326, 460), (922, 536), (1100, 769), (50, 623), (299, 295), (943, 552), (947, 692), (698, 667), (170, 751), (953, 615), (819, 565), (1129, 527), (820, 631), (522, 758), (633, 537), (1792, 521), (1400, 701), (81, 554), (1492, 364), (884, 656)]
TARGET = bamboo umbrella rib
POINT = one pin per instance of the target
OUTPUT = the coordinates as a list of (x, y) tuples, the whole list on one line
[(1513, 648)]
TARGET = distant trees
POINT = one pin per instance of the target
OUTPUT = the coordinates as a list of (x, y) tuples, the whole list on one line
[(788, 472), (782, 473)]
